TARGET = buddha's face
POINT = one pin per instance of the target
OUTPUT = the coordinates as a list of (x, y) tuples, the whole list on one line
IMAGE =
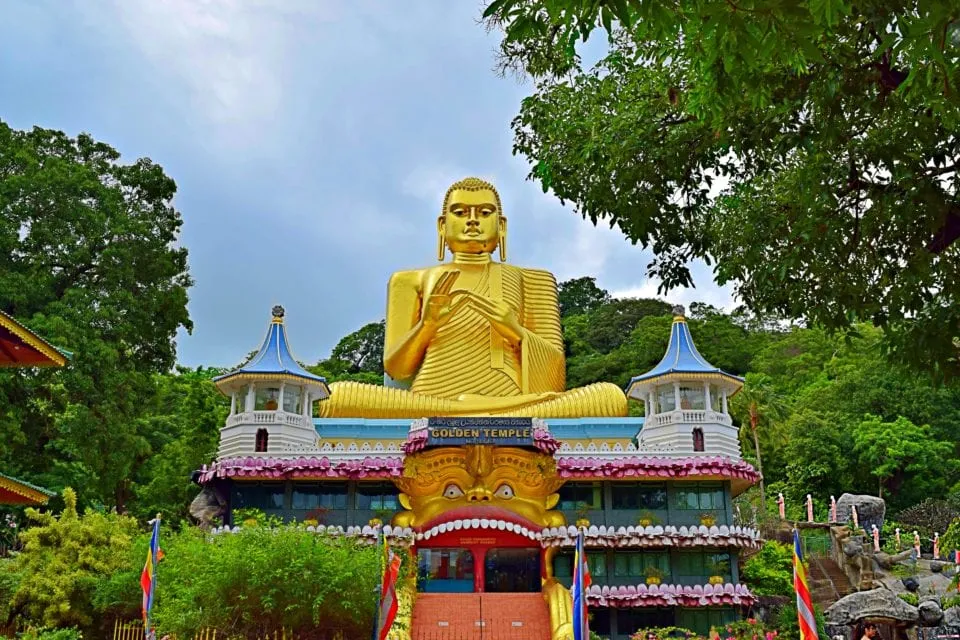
[(471, 221), (495, 483)]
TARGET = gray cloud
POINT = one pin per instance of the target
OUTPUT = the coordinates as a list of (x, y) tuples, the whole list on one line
[(311, 141)]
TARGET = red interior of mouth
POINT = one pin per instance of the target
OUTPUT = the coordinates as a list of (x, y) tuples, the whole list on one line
[(480, 512)]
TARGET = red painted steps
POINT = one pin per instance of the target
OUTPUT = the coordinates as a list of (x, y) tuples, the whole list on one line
[(480, 616)]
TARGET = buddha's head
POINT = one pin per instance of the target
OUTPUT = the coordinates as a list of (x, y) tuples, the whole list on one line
[(472, 219), (479, 481)]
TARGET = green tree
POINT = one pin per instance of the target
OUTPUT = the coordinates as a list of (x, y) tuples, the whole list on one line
[(894, 450), (819, 456), (89, 258), (770, 572), (581, 295), (62, 559), (826, 128), (758, 404), (183, 430), (363, 348), (610, 324)]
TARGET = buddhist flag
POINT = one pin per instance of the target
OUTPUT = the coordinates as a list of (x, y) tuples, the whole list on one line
[(388, 594), (808, 625), (148, 579), (581, 580)]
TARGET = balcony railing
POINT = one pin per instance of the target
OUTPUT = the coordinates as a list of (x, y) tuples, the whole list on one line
[(690, 416), (267, 417)]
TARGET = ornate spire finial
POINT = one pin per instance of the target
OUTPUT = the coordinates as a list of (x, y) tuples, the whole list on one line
[(277, 312), (678, 312)]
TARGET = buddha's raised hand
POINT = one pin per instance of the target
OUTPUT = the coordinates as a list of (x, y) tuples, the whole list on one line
[(441, 304)]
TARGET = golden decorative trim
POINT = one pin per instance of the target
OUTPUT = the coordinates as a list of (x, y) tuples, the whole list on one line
[(267, 377), (56, 358), (21, 489), (681, 377)]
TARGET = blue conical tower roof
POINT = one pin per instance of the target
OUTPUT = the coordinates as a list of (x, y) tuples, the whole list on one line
[(682, 360), (274, 360)]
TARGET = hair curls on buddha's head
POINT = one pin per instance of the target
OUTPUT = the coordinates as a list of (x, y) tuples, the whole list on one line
[(474, 184), (471, 184)]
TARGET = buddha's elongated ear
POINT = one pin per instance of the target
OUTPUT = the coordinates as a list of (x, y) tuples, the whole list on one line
[(503, 238), (552, 500), (441, 247), (405, 501)]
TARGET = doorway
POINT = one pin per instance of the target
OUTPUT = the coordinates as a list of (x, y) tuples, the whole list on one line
[(512, 571)]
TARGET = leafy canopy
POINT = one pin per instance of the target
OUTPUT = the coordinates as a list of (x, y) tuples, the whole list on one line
[(89, 259), (807, 147)]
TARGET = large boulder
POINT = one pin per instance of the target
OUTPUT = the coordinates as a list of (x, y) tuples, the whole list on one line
[(208, 507), (951, 618), (870, 510), (874, 604), (930, 613)]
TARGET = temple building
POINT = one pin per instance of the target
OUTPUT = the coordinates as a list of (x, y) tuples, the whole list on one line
[(476, 458), (22, 348)]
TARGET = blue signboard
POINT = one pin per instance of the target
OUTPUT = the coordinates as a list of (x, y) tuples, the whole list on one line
[(507, 432)]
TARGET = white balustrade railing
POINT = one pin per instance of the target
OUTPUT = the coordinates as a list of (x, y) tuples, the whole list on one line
[(267, 417), (690, 416)]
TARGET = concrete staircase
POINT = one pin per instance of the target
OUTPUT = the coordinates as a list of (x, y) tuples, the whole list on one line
[(828, 582), (480, 616)]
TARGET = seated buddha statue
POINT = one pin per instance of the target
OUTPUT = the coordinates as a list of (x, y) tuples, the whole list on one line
[(471, 336)]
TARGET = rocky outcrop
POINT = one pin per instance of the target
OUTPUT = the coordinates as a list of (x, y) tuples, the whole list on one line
[(951, 618), (931, 615), (870, 510), (208, 507), (887, 561), (875, 604)]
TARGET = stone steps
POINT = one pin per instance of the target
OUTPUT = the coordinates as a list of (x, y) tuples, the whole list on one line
[(828, 582), (480, 616)]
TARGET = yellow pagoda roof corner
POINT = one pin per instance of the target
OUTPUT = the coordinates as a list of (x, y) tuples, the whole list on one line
[(21, 347), (14, 491)]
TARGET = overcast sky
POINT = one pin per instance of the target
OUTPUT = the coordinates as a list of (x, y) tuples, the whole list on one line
[(311, 141)]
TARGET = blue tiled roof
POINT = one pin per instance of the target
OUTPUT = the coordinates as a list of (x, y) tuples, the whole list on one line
[(274, 357), (682, 357)]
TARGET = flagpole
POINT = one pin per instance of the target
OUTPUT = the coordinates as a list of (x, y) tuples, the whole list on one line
[(376, 616), (153, 577)]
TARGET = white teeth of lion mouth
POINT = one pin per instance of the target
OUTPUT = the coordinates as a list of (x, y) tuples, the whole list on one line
[(477, 523)]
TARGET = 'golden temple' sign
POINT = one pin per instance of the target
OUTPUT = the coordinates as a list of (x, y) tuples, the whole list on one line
[(512, 432)]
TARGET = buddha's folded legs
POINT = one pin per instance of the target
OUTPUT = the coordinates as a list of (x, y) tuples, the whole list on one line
[(358, 400)]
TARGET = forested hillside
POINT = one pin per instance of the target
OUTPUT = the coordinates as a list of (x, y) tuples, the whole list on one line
[(832, 414)]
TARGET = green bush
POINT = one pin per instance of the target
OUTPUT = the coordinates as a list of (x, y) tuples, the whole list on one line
[(43, 633), (952, 601), (665, 633), (909, 598), (62, 560), (258, 580), (770, 572)]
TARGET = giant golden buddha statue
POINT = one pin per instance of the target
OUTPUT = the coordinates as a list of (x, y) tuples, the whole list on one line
[(473, 337)]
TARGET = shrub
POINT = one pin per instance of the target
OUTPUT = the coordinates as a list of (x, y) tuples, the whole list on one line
[(909, 598), (770, 572), (43, 633), (62, 559), (259, 580), (665, 633), (930, 515)]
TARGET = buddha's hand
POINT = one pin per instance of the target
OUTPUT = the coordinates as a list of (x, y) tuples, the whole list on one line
[(500, 314), (441, 304)]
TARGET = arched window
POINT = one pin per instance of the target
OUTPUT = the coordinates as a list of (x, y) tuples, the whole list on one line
[(261, 445), (698, 439)]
